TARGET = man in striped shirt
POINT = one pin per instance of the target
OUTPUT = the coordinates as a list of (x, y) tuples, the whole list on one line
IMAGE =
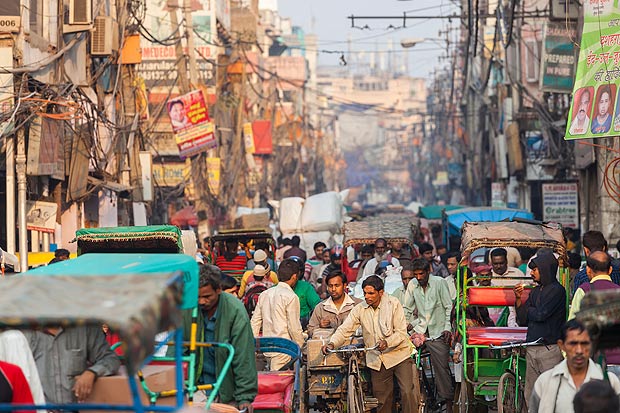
[(231, 260)]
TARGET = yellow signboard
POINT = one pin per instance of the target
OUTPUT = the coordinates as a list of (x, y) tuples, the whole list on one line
[(213, 174)]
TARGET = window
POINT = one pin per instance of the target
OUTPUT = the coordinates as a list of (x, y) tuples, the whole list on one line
[(35, 12), (532, 60)]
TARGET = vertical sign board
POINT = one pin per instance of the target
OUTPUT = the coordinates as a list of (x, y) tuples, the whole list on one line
[(595, 112), (10, 20), (498, 194), (561, 204), (6, 84), (558, 57)]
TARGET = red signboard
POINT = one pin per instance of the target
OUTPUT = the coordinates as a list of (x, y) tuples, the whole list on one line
[(263, 142)]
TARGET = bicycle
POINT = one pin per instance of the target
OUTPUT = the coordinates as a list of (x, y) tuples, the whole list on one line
[(429, 400), (357, 402), (510, 394)]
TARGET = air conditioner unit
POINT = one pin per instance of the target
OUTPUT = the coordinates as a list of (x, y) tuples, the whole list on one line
[(80, 12), (104, 36)]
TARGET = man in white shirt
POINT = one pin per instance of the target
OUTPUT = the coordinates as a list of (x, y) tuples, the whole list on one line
[(277, 312), (555, 389), (499, 262), (381, 254), (331, 313)]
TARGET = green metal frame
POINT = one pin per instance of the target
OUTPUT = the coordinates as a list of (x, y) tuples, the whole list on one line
[(487, 371)]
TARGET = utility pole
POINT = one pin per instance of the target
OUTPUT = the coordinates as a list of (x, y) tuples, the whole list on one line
[(189, 29), (10, 194), (21, 200), (182, 70)]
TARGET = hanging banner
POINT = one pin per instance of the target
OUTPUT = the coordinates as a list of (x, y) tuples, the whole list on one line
[(213, 174), (594, 111), (192, 127), (561, 204), (558, 58)]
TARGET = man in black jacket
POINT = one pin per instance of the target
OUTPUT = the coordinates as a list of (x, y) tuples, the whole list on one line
[(544, 314)]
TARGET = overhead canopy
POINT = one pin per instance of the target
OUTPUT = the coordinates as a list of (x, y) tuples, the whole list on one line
[(242, 235), (146, 239), (435, 211), (454, 219), (90, 265), (394, 228), (512, 234), (600, 313), (136, 306)]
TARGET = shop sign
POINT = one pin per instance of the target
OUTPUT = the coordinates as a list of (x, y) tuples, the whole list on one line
[(192, 127), (561, 204), (558, 58)]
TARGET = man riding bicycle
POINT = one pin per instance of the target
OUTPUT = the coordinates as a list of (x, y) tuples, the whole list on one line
[(383, 325)]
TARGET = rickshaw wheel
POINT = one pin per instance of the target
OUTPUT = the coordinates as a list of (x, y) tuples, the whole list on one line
[(355, 396), (303, 390), (507, 389)]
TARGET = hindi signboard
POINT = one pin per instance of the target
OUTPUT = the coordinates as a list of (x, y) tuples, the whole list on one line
[(10, 20), (558, 58), (561, 204), (192, 127), (595, 112)]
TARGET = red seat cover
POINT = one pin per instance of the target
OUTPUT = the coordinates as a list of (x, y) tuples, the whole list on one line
[(484, 336), (275, 391), (494, 296)]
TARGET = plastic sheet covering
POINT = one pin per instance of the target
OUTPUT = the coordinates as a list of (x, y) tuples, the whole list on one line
[(393, 229), (136, 306), (123, 264), (600, 313), (456, 218), (512, 234)]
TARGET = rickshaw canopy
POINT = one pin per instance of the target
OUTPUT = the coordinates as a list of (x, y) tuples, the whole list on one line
[(454, 220), (93, 265), (242, 235), (512, 234), (393, 228), (144, 239), (136, 306)]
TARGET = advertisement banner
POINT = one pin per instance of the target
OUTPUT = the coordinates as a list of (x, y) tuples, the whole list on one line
[(498, 194), (561, 204), (558, 58), (248, 138), (169, 174), (213, 174), (594, 112), (192, 127)]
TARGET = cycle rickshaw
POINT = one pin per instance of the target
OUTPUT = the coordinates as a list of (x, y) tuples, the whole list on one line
[(497, 375), (135, 305)]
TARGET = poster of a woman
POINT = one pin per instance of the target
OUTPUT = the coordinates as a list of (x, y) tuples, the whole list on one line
[(601, 118)]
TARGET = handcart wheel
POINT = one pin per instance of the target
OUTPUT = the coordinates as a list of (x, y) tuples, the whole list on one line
[(303, 390), (510, 398), (355, 395)]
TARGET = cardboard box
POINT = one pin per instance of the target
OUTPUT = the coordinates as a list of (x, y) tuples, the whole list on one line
[(253, 221), (115, 389), (320, 337)]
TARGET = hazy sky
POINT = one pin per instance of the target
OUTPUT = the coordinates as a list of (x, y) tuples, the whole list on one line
[(328, 19)]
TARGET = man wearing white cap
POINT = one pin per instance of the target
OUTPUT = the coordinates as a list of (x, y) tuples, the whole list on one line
[(260, 258)]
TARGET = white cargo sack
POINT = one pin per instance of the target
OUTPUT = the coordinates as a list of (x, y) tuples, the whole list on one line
[(322, 212), (290, 214)]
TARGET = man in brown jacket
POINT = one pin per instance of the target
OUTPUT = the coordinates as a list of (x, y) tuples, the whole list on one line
[(330, 313)]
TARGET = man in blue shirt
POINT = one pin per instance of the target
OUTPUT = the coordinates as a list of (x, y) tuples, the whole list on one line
[(595, 241)]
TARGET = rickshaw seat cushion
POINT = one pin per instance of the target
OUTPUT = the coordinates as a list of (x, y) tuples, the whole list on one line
[(494, 296), (275, 391), (484, 336)]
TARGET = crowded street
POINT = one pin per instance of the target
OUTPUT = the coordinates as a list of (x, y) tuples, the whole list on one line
[(279, 206)]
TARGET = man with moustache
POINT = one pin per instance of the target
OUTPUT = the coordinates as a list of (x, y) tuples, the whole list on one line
[(579, 125), (381, 254), (555, 389), (223, 318)]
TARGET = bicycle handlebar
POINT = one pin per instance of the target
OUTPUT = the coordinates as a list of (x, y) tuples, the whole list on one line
[(351, 349), (516, 344)]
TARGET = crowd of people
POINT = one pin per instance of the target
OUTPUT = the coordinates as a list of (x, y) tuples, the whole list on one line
[(291, 294)]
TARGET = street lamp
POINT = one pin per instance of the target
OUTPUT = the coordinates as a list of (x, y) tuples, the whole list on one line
[(408, 43)]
